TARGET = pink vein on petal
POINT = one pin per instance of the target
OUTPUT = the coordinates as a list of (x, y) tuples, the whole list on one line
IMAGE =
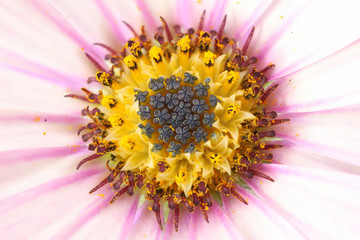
[(130, 218), (183, 15), (149, 19), (111, 20), (88, 213), (54, 76), (27, 155), (217, 14), (35, 192), (250, 22), (42, 117), (284, 75), (66, 26)]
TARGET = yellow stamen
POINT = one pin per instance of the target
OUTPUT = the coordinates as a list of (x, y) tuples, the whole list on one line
[(209, 61), (205, 41), (116, 120), (230, 82), (156, 55), (131, 62), (184, 47), (108, 101), (127, 143), (209, 58), (184, 44), (134, 48)]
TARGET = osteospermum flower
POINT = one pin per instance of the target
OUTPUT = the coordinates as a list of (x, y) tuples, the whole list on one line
[(199, 120)]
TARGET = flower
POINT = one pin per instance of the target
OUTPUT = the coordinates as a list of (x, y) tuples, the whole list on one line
[(316, 190)]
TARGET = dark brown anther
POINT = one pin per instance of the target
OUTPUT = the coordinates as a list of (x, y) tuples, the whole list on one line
[(222, 27), (131, 29), (204, 212), (201, 23), (92, 97), (119, 193), (208, 199), (140, 181), (131, 178), (237, 195), (268, 92), (156, 204), (112, 51), (248, 40), (270, 66), (92, 79), (191, 31), (271, 133), (100, 185), (118, 183), (226, 190), (167, 30), (202, 187), (177, 217), (89, 158), (81, 129), (171, 203), (178, 30), (96, 64), (91, 126), (77, 97), (130, 190), (259, 174), (196, 199), (156, 209), (187, 205), (111, 177), (278, 121), (249, 174), (268, 147), (161, 165), (95, 111), (263, 122)]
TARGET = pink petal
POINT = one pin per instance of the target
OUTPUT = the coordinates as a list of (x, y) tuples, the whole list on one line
[(257, 215), (220, 225), (38, 131), (295, 155), (40, 50), (38, 212), (290, 33), (329, 83), (321, 204), (24, 169), (332, 133), (35, 95)]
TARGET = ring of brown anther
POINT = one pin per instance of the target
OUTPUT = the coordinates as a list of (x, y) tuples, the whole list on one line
[(253, 148)]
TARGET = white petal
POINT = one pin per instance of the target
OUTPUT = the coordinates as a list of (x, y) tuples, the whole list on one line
[(321, 204), (327, 84), (332, 133)]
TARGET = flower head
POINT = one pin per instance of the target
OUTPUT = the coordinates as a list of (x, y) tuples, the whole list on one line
[(184, 118)]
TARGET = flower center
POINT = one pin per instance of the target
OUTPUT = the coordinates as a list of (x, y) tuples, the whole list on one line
[(180, 118), (178, 114)]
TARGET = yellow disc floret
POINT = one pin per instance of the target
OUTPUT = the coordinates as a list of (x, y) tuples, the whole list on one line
[(156, 53), (209, 58), (131, 62), (116, 120), (108, 101), (184, 43)]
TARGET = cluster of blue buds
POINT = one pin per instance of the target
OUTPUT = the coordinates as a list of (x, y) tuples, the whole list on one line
[(177, 113)]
